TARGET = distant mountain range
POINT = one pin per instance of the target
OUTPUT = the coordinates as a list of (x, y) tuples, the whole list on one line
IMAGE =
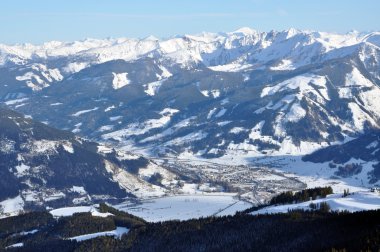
[(227, 95)]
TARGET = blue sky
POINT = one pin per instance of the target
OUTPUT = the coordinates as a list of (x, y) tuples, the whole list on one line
[(44, 20)]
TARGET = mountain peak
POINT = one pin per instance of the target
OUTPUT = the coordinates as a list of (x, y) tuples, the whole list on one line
[(291, 32), (245, 31), (151, 38)]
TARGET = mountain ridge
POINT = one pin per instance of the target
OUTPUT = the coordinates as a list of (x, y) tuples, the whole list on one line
[(211, 95)]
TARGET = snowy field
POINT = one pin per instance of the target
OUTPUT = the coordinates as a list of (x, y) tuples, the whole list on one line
[(358, 201), (69, 211), (184, 207)]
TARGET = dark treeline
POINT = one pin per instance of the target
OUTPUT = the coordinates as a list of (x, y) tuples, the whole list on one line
[(24, 222), (293, 231), (297, 197), (82, 223), (301, 196), (122, 219)]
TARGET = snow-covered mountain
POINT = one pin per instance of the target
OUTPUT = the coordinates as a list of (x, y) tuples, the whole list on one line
[(44, 167), (347, 159), (244, 93)]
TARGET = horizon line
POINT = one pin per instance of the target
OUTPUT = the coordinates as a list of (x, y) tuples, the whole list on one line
[(165, 38)]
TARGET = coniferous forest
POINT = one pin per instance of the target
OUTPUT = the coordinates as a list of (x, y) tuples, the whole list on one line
[(293, 231)]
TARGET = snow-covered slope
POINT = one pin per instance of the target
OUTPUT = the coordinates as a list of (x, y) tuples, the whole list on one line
[(357, 201), (44, 167), (358, 156)]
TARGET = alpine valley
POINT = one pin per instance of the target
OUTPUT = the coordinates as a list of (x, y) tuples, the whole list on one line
[(161, 124)]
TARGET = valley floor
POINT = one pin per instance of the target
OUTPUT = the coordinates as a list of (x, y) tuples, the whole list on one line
[(185, 207)]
